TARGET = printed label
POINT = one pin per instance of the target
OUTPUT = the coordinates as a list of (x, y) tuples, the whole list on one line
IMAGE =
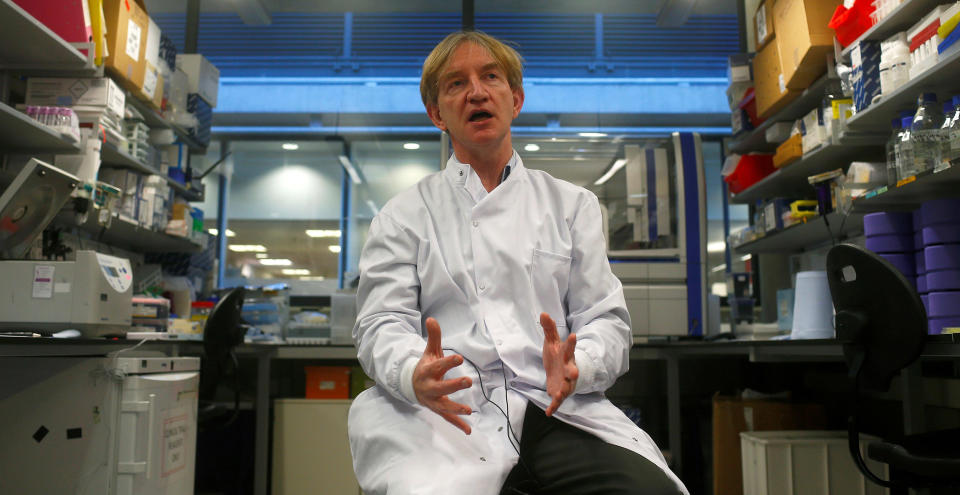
[(43, 281), (133, 40), (174, 441), (150, 83), (762, 24)]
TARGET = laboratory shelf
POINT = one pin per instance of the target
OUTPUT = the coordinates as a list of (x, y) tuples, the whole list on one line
[(156, 121), (114, 156), (756, 139), (791, 181), (941, 79), (943, 184), (19, 132), (801, 237), (899, 19), (26, 44), (126, 234)]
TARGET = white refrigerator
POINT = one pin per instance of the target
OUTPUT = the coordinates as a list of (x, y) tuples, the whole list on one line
[(95, 425)]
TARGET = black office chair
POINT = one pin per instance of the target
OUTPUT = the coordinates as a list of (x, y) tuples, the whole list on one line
[(222, 333), (883, 326)]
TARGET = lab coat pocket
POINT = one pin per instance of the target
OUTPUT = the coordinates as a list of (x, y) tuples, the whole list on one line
[(550, 276)]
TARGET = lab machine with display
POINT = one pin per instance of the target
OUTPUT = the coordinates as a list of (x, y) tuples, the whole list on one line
[(654, 219)]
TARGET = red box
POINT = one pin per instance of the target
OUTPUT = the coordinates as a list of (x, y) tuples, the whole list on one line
[(750, 169), (328, 382), (749, 105), (850, 23), (70, 19)]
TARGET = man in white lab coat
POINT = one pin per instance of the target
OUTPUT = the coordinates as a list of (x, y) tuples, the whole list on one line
[(489, 318)]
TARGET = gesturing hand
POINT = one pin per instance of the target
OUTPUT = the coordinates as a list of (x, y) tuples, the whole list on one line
[(558, 362), (430, 387)]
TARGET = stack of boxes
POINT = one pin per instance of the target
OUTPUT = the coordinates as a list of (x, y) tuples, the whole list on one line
[(924, 246), (939, 230), (145, 199), (865, 77), (203, 81), (137, 134), (890, 234), (793, 53)]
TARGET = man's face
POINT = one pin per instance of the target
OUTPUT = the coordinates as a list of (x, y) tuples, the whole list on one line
[(475, 103)]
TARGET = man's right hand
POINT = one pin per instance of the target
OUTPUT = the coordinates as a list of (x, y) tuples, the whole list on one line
[(429, 385)]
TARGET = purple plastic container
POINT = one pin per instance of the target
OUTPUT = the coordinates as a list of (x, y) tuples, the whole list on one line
[(943, 304), (940, 211), (888, 222), (903, 261), (920, 261), (918, 240), (922, 283), (935, 326), (890, 243), (943, 280), (926, 302), (942, 257), (917, 219), (942, 233)]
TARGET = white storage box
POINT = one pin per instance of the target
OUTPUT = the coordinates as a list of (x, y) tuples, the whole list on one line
[(805, 463), (76, 92), (202, 77)]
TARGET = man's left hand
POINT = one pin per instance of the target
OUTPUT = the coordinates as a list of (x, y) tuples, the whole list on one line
[(558, 362)]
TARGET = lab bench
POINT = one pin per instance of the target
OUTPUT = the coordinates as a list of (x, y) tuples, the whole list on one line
[(672, 353)]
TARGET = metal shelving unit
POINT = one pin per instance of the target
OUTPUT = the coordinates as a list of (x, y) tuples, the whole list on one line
[(941, 79), (25, 43), (756, 140), (943, 184), (154, 120), (19, 132), (129, 235), (791, 181), (901, 18), (111, 155), (801, 237)]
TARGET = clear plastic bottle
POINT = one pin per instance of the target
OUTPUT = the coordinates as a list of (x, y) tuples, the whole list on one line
[(905, 162), (892, 151), (954, 131), (944, 161), (925, 131)]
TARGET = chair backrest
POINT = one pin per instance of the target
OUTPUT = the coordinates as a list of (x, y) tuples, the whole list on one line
[(879, 313), (223, 330)]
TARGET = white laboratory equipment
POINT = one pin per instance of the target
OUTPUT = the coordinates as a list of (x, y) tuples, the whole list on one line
[(654, 216), (117, 426), (90, 293)]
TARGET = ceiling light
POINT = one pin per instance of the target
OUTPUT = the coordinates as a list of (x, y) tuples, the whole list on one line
[(313, 278), (295, 271), (716, 247), (592, 134), (247, 248), (230, 233), (261, 256), (290, 146), (411, 146), (532, 147), (719, 268), (323, 233), (334, 249), (275, 262), (351, 171), (617, 165), (746, 257)]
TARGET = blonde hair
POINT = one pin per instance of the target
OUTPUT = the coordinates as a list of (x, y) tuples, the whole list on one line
[(506, 58)]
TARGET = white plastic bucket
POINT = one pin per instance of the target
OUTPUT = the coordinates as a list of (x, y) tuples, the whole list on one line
[(812, 307)]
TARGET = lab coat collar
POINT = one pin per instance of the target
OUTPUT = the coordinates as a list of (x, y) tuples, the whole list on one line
[(463, 175)]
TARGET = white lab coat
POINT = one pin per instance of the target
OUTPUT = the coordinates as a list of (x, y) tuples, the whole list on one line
[(485, 265)]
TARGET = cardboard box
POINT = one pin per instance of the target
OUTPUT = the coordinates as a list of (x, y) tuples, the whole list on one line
[(202, 77), (328, 382), (100, 92), (763, 23), (789, 151), (769, 88), (804, 39), (152, 90), (733, 415), (127, 28)]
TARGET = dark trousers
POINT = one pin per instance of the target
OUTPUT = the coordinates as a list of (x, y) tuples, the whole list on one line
[(557, 458)]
